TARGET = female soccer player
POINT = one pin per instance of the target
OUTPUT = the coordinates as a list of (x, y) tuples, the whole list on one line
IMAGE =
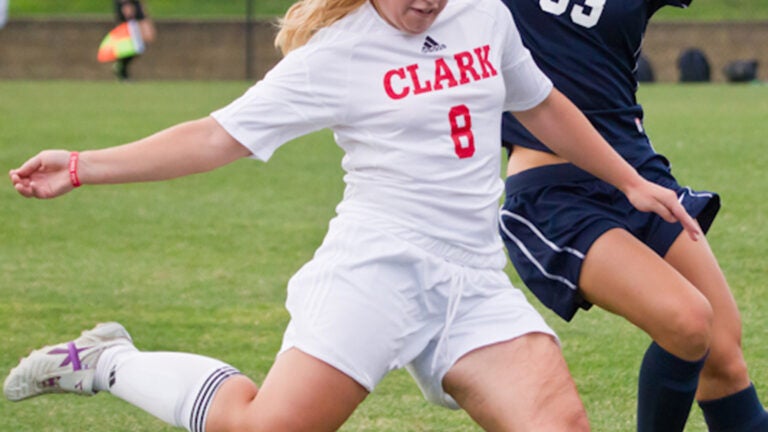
[(576, 241), (411, 268)]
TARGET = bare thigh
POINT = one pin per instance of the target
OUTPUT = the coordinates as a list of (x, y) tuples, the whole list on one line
[(518, 385), (300, 393), (624, 276), (725, 371)]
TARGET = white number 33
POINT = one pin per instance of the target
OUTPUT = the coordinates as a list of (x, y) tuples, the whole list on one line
[(585, 16)]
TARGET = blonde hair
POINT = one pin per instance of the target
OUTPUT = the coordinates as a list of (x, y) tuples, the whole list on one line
[(306, 17)]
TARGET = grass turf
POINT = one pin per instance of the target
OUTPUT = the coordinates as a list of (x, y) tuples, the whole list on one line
[(200, 264)]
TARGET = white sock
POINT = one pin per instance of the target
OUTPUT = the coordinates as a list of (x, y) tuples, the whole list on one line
[(175, 387)]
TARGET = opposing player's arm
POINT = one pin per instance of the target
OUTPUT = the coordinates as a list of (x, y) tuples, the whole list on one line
[(559, 124)]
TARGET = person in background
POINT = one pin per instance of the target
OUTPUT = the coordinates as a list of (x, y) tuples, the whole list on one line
[(576, 241), (133, 10)]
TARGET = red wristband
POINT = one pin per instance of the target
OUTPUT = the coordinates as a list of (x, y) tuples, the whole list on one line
[(73, 158)]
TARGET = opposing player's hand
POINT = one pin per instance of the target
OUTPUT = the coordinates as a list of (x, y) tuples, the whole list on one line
[(651, 197), (44, 176)]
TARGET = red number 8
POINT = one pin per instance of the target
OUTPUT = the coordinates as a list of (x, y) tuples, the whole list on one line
[(463, 139)]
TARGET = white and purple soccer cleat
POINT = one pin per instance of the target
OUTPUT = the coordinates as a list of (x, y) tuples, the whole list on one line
[(68, 367)]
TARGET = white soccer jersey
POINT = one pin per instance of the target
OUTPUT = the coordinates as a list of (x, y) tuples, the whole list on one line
[(418, 117)]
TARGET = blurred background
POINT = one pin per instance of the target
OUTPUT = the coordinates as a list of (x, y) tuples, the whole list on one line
[(232, 40)]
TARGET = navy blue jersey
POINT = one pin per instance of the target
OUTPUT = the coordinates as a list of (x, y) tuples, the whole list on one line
[(589, 49)]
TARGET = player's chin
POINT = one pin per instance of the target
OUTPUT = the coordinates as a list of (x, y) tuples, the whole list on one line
[(420, 24)]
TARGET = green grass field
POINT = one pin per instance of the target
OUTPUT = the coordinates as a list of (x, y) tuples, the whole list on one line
[(700, 10), (200, 264)]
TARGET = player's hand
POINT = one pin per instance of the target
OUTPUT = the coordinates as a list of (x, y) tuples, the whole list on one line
[(651, 197), (46, 175)]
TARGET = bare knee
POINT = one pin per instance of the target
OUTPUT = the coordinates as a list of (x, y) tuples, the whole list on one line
[(689, 332), (728, 368), (522, 384), (272, 420), (725, 370), (244, 415), (578, 421), (293, 397), (229, 409), (234, 409)]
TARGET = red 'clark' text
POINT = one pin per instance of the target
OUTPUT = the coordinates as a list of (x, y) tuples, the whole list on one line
[(463, 68)]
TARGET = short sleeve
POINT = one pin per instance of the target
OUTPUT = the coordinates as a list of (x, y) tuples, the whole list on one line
[(526, 85), (292, 100)]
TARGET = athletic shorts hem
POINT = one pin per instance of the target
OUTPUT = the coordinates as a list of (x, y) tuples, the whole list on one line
[(319, 354), (552, 215)]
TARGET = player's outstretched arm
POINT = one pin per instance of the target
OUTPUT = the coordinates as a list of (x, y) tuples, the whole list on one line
[(559, 124), (188, 148)]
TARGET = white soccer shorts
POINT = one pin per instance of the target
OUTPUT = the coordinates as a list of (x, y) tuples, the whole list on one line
[(369, 303)]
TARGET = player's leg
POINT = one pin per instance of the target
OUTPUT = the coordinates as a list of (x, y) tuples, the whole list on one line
[(346, 297), (624, 276), (188, 390), (121, 68), (494, 355), (175, 387), (725, 393), (518, 385), (300, 393)]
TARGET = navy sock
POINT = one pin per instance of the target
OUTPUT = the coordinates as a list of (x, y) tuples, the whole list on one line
[(667, 385), (739, 412)]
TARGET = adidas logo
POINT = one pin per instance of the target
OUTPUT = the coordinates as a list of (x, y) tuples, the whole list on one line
[(431, 45)]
